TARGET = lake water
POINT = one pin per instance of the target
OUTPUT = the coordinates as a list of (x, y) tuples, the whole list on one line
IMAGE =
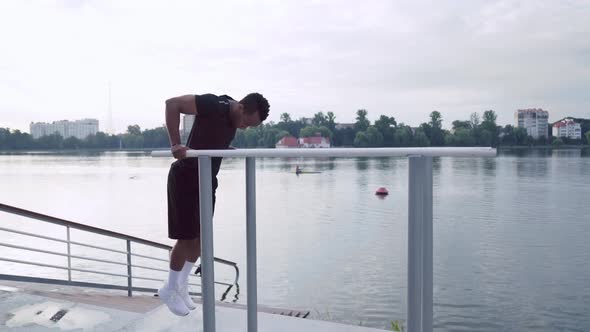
[(511, 234)]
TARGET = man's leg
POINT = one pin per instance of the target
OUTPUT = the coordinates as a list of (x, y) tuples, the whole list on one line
[(183, 251), (182, 261)]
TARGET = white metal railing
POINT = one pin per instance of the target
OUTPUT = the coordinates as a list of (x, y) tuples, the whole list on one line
[(420, 214), (129, 254)]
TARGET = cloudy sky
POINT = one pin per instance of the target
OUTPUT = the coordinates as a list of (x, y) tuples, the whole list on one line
[(400, 58)]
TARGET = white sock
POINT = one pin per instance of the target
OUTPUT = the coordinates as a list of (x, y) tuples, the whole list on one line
[(173, 278), (186, 270)]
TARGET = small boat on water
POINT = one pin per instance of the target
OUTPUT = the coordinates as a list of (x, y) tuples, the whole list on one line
[(298, 171)]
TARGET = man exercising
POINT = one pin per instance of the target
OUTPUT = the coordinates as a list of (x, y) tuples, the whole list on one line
[(216, 120)]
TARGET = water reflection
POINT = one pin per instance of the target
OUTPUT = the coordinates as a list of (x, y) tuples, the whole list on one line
[(489, 166), (567, 153), (465, 165), (362, 164), (383, 163), (504, 235), (532, 167)]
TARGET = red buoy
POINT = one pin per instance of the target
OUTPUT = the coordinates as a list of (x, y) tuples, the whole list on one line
[(382, 191)]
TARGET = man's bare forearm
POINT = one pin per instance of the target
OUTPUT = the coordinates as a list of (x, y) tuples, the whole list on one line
[(173, 122)]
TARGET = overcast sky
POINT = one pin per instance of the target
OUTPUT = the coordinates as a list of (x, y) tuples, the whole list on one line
[(400, 58)]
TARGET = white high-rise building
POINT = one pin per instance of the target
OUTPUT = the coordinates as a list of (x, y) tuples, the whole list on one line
[(534, 120), (79, 128), (567, 128)]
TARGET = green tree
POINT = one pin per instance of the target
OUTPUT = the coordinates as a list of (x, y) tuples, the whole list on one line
[(458, 124), (433, 129), (386, 126), (489, 120), (461, 137), (131, 141), (15, 140), (331, 121), (588, 137), (72, 143), (402, 136), (287, 124), (557, 142), (154, 138), (313, 130), (240, 139), (361, 140), (474, 120), (489, 125), (362, 123), (486, 138), (50, 142), (344, 137), (134, 130), (251, 137), (319, 119), (420, 138), (508, 137), (520, 135), (436, 120), (374, 137), (271, 136), (285, 117)]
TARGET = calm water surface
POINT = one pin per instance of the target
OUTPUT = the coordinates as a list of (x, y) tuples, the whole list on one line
[(511, 234)]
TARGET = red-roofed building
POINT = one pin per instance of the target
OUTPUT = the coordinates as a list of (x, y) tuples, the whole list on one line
[(287, 142), (305, 142), (314, 142), (567, 128)]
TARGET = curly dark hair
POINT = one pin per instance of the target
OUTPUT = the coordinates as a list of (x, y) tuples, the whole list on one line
[(255, 102)]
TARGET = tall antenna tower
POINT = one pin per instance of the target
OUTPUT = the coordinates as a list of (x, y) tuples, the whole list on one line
[(110, 112)]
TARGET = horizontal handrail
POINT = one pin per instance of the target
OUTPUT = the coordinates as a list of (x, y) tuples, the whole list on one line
[(69, 225), (338, 152), (33, 235), (63, 254), (148, 257), (62, 267), (63, 222), (98, 247)]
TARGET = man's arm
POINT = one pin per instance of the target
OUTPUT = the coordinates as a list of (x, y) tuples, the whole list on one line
[(174, 106)]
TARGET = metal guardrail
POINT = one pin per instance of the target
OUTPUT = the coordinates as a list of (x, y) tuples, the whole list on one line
[(420, 265), (129, 254)]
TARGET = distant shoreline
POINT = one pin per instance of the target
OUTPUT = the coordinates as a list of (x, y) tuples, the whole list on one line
[(79, 150), (543, 147), (501, 148)]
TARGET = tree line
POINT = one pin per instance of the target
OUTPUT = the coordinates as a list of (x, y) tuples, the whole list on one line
[(387, 132), (383, 132), (134, 138)]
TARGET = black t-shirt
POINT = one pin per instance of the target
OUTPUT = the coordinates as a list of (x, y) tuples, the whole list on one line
[(212, 129)]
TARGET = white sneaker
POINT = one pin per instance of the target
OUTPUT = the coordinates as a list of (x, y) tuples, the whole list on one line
[(173, 300), (186, 298)]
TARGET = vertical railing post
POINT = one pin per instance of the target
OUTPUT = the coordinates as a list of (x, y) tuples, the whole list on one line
[(251, 244), (129, 275), (206, 216), (69, 254), (420, 267), (427, 250)]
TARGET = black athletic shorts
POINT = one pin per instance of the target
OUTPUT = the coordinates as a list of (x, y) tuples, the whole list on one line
[(183, 200)]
